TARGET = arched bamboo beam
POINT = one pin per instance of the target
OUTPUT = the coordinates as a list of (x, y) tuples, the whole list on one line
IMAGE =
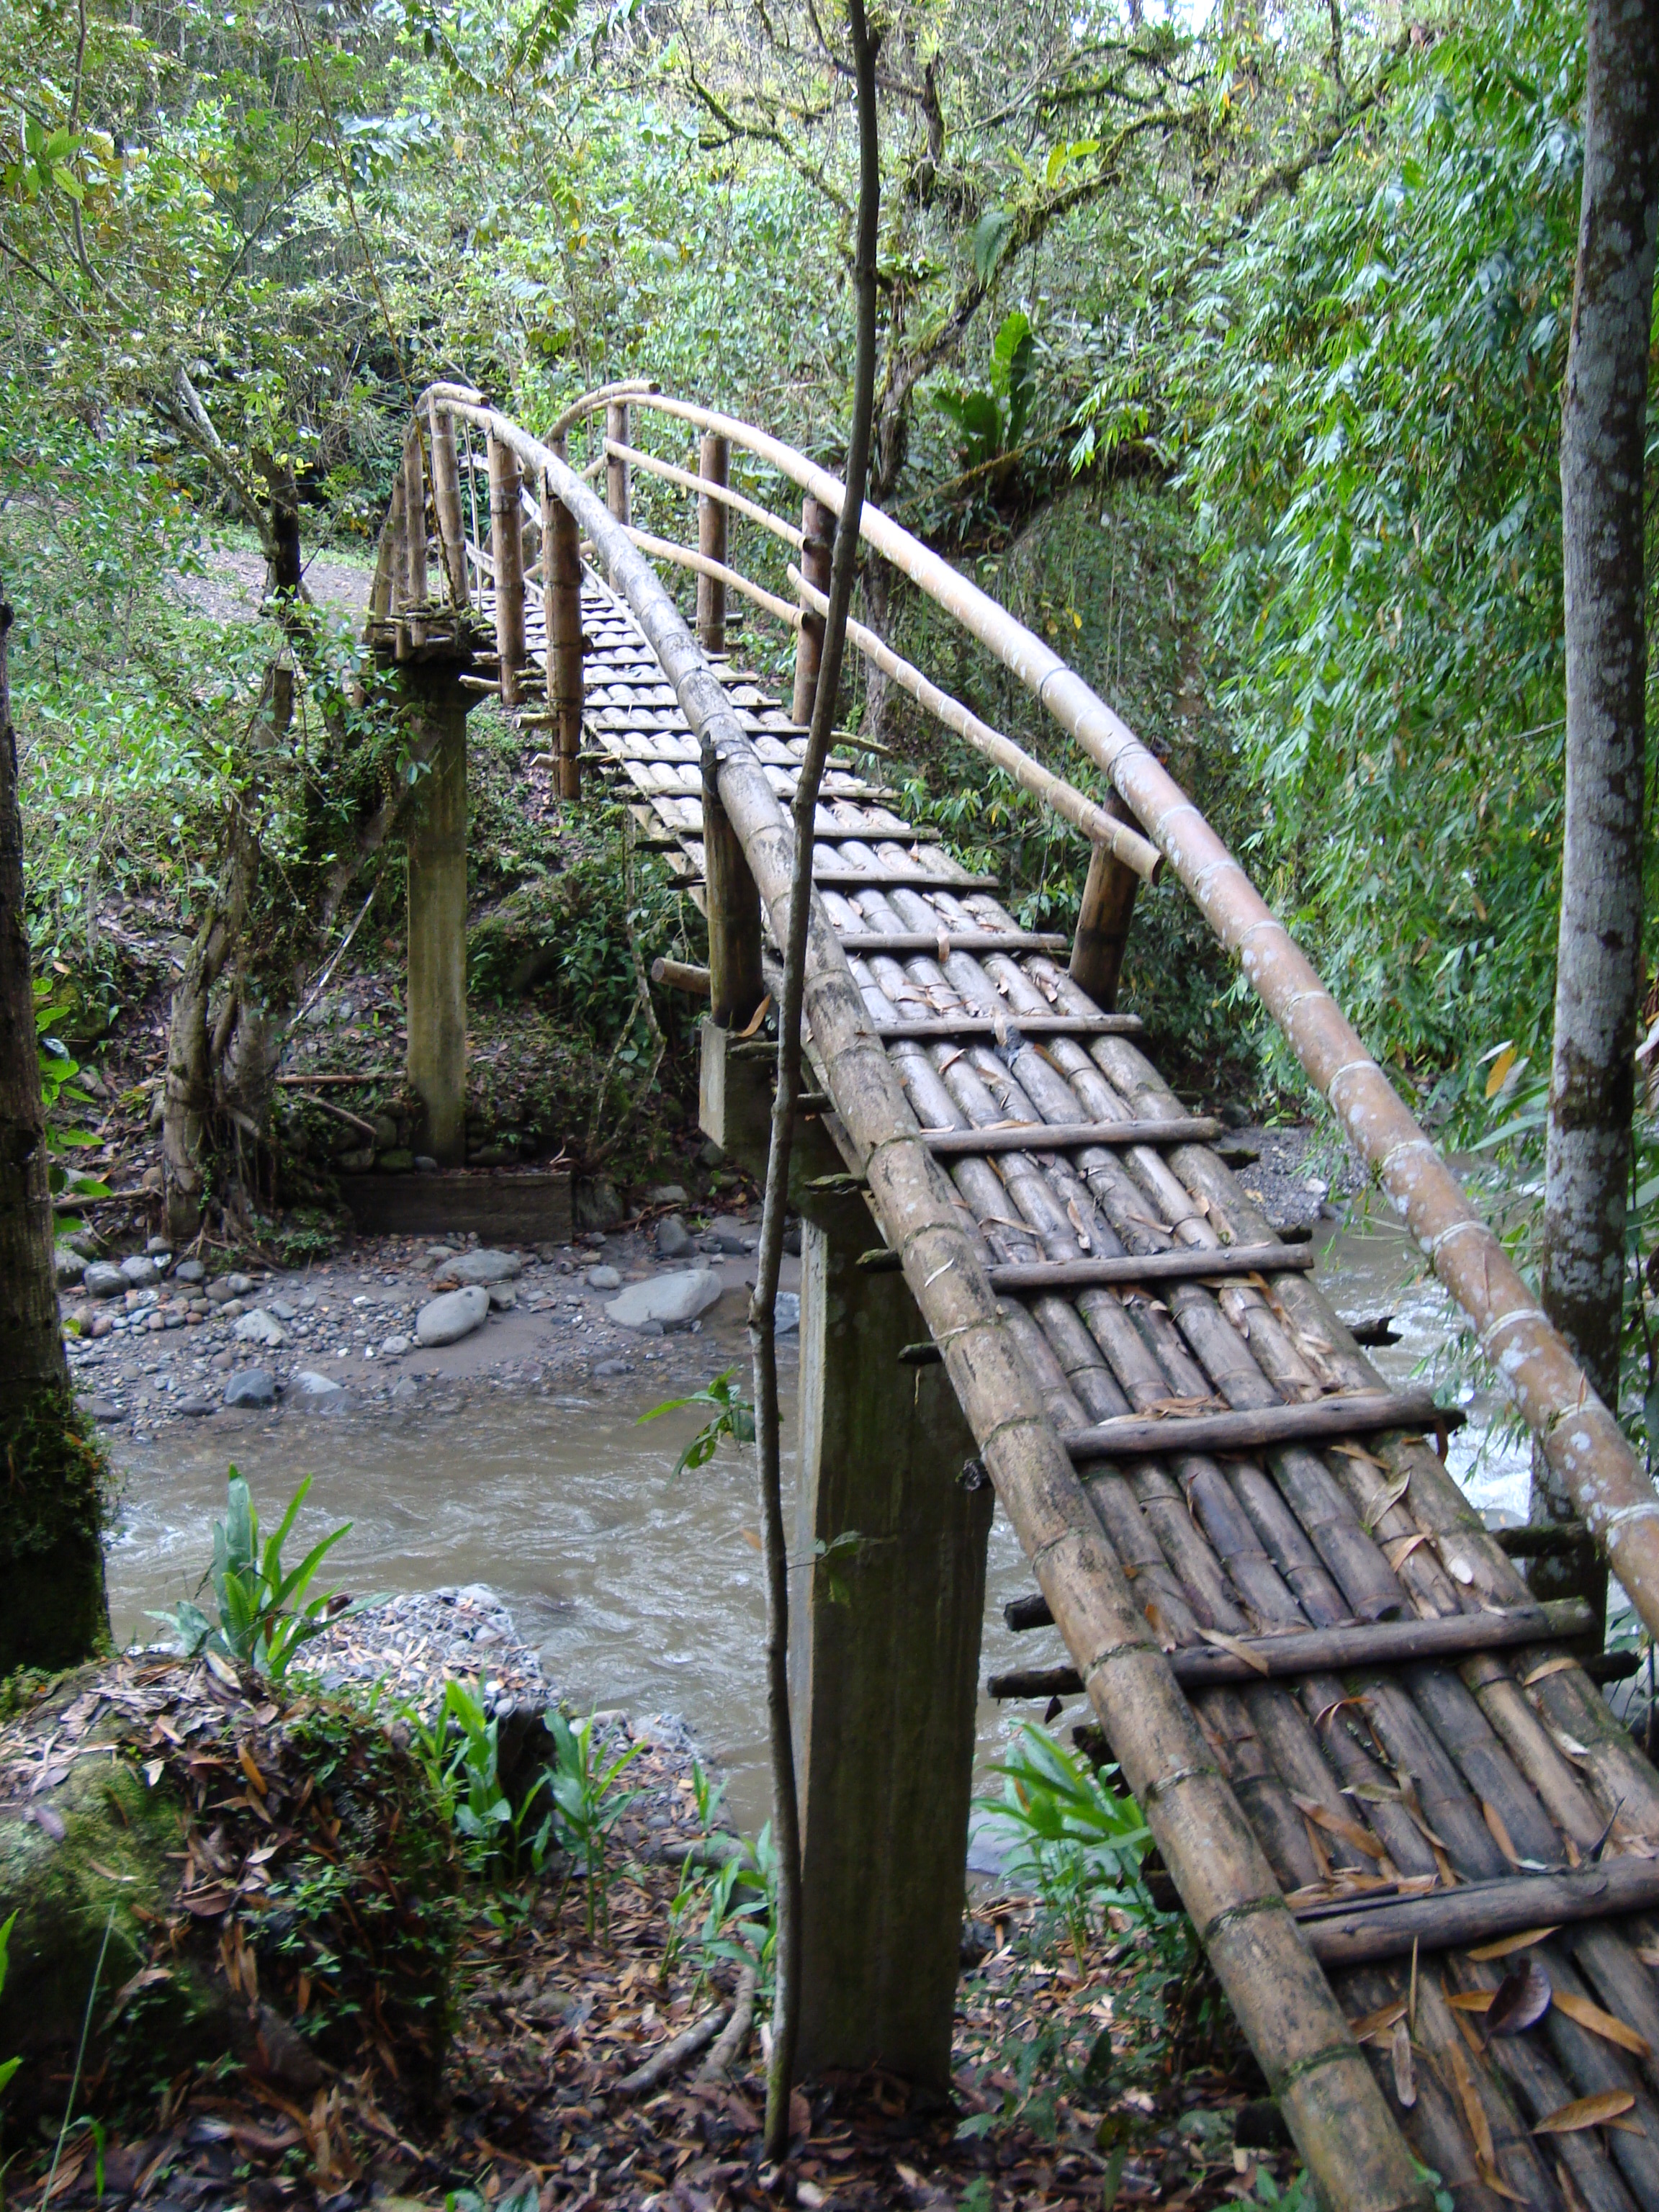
[(1580, 1438), (1323, 2085)]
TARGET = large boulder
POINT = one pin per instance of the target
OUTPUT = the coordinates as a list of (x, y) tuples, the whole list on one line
[(447, 1319), (672, 1300), (127, 1827)]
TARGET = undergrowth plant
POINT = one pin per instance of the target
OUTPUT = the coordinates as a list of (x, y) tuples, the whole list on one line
[(587, 1803), (264, 1617), (7, 2066)]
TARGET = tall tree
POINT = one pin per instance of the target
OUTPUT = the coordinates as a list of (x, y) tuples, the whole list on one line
[(51, 1558), (1603, 444)]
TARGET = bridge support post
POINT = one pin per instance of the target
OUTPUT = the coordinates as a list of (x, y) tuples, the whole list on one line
[(885, 1680), (817, 524), (436, 990), (447, 502), (507, 552), (736, 985), (561, 571), (714, 466), (1103, 918), (618, 476)]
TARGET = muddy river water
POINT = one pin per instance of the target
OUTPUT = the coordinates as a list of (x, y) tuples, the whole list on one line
[(640, 1590)]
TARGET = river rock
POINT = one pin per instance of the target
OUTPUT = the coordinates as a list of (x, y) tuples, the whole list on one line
[(604, 1279), (253, 1386), (788, 1313), (104, 1281), (730, 1235), (190, 1271), (672, 1300), (394, 1347), (238, 1286), (138, 1273), (485, 1266), (503, 1297), (673, 1238), (447, 1319), (194, 1404), (68, 1266), (259, 1326), (665, 1193), (310, 1384)]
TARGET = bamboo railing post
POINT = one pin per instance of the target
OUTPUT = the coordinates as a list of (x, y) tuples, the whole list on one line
[(817, 525), (415, 577), (619, 491), (1103, 918), (447, 503), (736, 985), (561, 573), (714, 464), (507, 550)]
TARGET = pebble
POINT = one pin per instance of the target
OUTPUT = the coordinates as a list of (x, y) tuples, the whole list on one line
[(310, 1384), (260, 1327), (238, 1286), (194, 1404), (70, 1266), (614, 1367), (159, 1249), (466, 1633), (604, 1279), (254, 1386), (394, 1347), (665, 1193), (103, 1409), (673, 1238), (485, 1266)]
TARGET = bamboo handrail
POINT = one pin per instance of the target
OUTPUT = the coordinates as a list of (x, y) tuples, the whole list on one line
[(1579, 1437), (1061, 798), (590, 403), (1332, 2104), (690, 481), (684, 556)]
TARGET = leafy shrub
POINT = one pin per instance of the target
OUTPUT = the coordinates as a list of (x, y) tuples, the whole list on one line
[(264, 1617)]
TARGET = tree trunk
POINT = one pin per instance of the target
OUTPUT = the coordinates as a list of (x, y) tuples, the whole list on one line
[(51, 1558), (1603, 432)]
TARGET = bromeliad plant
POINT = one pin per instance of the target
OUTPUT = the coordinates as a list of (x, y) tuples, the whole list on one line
[(1076, 1840), (264, 1617)]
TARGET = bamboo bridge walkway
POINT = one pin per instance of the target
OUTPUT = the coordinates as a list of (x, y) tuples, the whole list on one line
[(1374, 1761)]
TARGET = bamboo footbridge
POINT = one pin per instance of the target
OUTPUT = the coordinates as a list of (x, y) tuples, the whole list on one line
[(1372, 1759)]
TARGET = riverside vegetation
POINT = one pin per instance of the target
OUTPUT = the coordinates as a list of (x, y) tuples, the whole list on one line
[(392, 1931)]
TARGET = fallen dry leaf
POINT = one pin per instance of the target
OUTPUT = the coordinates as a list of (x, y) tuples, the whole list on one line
[(1586, 2112), (1604, 2024)]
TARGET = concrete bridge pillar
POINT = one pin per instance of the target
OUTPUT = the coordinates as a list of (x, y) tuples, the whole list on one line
[(885, 1633), (437, 992)]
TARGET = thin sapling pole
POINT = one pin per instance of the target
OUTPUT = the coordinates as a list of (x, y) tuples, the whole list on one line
[(762, 1308)]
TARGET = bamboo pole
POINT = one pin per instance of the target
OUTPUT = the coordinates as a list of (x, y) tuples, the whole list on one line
[(618, 494), (665, 549), (1579, 1437), (507, 549), (1475, 1912), (414, 537), (1324, 2086), (817, 532), (1112, 833), (1103, 921), (561, 571), (447, 504), (736, 983), (712, 488), (716, 468)]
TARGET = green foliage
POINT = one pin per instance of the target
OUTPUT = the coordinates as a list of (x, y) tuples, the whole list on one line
[(733, 1416), (7, 2066), (1074, 1837), (58, 1089), (587, 1803), (265, 1619), (459, 1750)]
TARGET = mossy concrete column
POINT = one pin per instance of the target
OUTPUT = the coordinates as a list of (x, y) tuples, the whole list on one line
[(885, 1658), (436, 1059)]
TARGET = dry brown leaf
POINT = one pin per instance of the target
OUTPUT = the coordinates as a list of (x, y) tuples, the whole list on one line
[(1338, 1824), (1386, 1498), (1604, 2024), (1559, 1665), (1399, 1549), (1500, 1834), (1475, 2112), (1373, 2023), (1469, 2000), (1505, 1944), (1586, 2112), (1404, 2072), (1495, 2181), (1521, 1999), (1238, 1646)]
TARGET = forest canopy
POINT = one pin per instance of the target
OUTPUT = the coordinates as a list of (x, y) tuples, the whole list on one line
[(1225, 345)]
